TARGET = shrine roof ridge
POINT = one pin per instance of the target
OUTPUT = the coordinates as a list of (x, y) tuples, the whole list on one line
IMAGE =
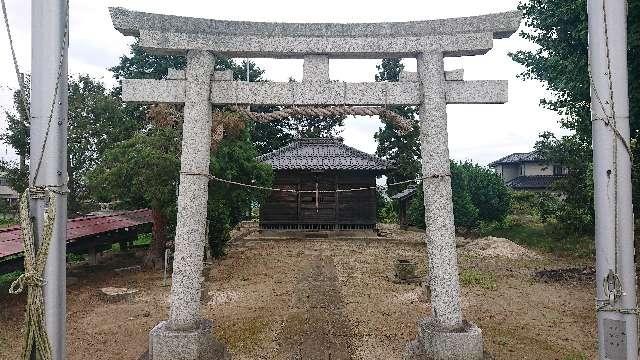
[(130, 23), (323, 154)]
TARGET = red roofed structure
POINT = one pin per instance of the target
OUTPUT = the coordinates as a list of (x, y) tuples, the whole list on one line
[(87, 232)]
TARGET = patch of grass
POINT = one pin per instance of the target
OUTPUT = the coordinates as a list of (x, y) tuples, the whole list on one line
[(7, 221), (485, 280), (142, 240), (8, 278), (576, 357), (545, 237), (74, 258), (246, 334)]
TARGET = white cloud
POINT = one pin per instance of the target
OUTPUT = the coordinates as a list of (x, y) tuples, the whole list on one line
[(479, 132)]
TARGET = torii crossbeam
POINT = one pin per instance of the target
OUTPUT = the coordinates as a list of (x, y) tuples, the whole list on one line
[(444, 335)]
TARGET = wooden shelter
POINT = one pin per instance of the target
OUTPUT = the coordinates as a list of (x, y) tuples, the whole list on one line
[(404, 201), (318, 172)]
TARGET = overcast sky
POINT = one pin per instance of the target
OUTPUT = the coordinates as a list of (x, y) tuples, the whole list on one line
[(481, 133)]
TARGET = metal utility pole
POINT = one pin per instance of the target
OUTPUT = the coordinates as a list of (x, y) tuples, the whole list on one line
[(615, 267), (48, 160)]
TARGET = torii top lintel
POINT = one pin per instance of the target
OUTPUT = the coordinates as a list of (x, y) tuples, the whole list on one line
[(168, 34)]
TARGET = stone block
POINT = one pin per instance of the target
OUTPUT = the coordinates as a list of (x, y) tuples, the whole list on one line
[(315, 68), (437, 343), (451, 75), (163, 34), (173, 74), (115, 294), (454, 75), (196, 344), (224, 75)]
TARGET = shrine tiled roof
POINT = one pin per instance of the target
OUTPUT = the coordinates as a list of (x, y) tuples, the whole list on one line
[(322, 154)]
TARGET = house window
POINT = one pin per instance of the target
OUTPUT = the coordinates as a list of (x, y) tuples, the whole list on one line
[(558, 170), (521, 169)]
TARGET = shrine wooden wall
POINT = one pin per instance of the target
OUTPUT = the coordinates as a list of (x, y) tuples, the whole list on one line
[(331, 208)]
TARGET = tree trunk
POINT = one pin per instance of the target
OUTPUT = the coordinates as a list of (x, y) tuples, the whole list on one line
[(23, 163), (154, 258)]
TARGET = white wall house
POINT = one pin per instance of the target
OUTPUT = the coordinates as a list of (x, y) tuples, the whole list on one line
[(528, 171)]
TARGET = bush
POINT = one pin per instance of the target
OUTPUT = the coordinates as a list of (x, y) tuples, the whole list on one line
[(478, 195), (528, 207), (228, 205), (219, 229), (385, 209)]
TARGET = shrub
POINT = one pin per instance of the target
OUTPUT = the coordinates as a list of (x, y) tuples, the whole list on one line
[(478, 195), (530, 207), (385, 209)]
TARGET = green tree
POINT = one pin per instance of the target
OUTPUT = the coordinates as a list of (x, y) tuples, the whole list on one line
[(235, 159), (97, 119), (139, 172), (17, 136), (478, 195), (18, 125), (403, 150), (559, 28)]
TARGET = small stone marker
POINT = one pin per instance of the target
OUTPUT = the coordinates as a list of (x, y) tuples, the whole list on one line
[(404, 272), (127, 269), (115, 294), (405, 269)]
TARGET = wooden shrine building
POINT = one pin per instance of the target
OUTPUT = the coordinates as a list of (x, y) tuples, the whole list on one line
[(319, 171)]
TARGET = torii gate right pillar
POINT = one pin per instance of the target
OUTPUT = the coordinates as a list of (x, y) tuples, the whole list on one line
[(443, 335)]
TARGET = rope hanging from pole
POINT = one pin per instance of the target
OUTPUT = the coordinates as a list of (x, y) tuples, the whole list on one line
[(34, 332), (403, 125)]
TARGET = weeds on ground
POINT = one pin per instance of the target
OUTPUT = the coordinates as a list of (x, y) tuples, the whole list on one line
[(7, 221), (547, 237), (143, 240), (576, 357), (74, 258), (485, 280)]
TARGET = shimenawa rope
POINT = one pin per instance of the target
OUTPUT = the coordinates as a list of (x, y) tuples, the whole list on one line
[(35, 334), (403, 125)]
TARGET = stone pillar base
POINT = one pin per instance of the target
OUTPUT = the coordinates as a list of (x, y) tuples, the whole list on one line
[(197, 344), (436, 343)]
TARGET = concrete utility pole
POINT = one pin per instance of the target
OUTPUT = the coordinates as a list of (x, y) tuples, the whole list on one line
[(615, 268), (49, 25)]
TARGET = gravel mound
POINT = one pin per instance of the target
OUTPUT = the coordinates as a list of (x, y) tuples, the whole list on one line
[(499, 247)]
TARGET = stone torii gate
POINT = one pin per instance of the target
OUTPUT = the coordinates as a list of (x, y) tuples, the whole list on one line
[(185, 335)]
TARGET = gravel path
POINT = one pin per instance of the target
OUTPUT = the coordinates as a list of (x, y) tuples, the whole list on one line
[(317, 327)]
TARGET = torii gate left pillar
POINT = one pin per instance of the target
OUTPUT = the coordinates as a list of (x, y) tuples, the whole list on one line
[(186, 335)]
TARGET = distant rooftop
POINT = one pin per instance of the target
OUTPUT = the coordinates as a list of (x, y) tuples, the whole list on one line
[(518, 158), (322, 154)]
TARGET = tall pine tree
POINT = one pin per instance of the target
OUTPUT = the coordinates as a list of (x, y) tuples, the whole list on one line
[(403, 150)]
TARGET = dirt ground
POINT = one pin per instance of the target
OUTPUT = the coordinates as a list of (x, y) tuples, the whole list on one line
[(328, 299)]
